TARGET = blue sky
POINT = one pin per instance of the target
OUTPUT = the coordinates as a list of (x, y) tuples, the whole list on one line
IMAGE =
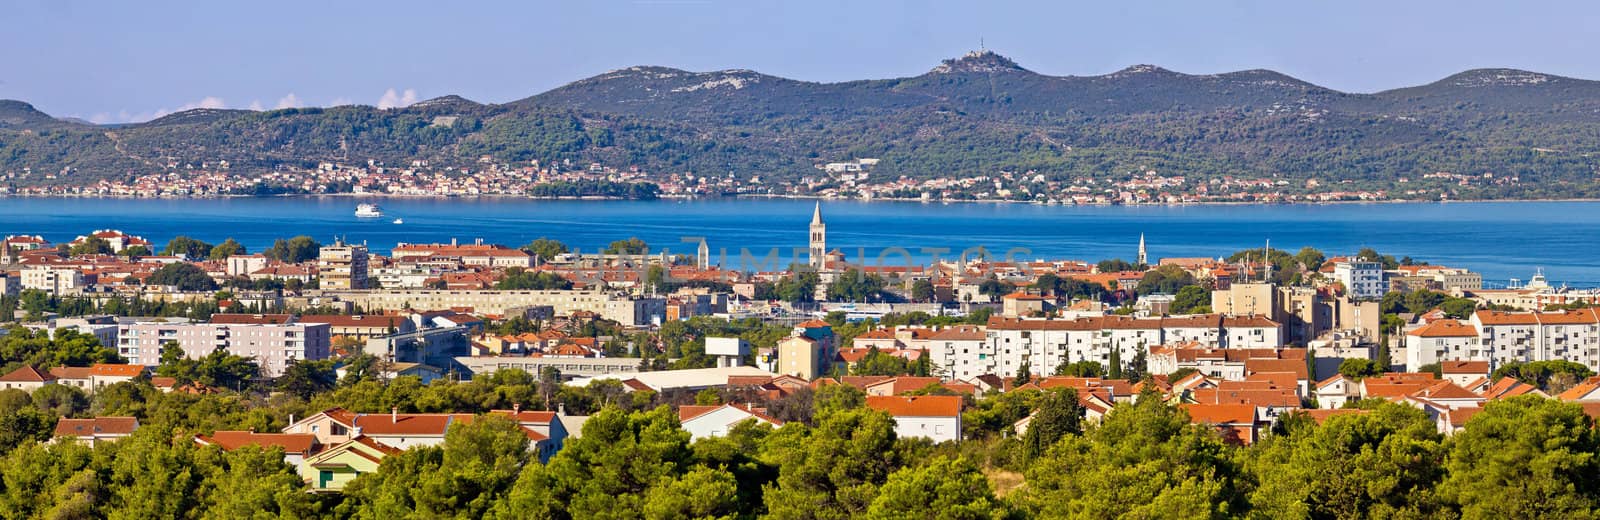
[(129, 61)]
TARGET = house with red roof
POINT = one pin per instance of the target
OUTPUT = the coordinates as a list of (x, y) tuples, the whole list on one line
[(1235, 422), (331, 469), (1444, 340), (296, 446), (715, 421), (1587, 390), (94, 430), (933, 417), (26, 378)]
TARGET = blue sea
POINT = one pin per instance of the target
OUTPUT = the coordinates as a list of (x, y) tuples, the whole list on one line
[(1502, 240)]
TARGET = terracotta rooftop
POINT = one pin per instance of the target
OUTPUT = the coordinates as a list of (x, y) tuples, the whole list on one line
[(96, 426), (116, 370), (917, 406), (293, 443), (27, 374), (1445, 329)]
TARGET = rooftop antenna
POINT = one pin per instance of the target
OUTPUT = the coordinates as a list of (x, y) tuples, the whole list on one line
[(1266, 258), (980, 44)]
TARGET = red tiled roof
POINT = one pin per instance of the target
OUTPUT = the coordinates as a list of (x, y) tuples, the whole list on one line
[(862, 382), (689, 411), (1444, 329), (906, 384), (1221, 414), (1293, 366), (27, 374), (117, 370), (814, 324), (960, 333), (1579, 391), (1447, 390), (1488, 317), (96, 426), (294, 443), (408, 424), (917, 406), (70, 372)]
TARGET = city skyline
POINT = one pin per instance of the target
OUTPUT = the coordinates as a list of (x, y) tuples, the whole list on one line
[(101, 64)]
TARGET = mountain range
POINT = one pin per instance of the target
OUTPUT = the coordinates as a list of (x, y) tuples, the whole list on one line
[(978, 114)]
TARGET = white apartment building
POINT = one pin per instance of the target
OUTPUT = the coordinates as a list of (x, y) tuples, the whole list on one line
[(1047, 343), (53, 280), (243, 265), (272, 345), (1502, 337), (1362, 279)]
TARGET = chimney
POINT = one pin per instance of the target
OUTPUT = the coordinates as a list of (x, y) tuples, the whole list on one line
[(452, 241), (394, 414), (561, 408), (516, 409), (291, 419)]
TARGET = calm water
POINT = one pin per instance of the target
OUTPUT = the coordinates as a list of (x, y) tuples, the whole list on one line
[(1501, 240)]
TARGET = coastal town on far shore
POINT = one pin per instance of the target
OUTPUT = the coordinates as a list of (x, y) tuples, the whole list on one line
[(1239, 341), (852, 179)]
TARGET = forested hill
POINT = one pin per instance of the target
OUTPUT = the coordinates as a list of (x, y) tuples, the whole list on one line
[(978, 114)]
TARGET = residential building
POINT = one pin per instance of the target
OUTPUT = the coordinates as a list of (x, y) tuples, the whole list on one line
[(94, 430), (715, 421), (342, 266), (53, 280), (627, 310), (810, 352), (1237, 422), (933, 417), (1048, 343), (1499, 337), (361, 327), (117, 239), (1022, 305), (296, 446), (244, 265), (958, 352), (1362, 279), (26, 378), (272, 345), (331, 469)]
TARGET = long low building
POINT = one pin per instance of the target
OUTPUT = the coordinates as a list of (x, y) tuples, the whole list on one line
[(569, 366), (625, 309)]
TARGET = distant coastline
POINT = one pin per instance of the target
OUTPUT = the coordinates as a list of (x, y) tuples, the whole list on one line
[(599, 198)]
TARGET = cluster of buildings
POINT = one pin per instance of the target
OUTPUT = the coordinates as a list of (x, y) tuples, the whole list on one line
[(419, 178)]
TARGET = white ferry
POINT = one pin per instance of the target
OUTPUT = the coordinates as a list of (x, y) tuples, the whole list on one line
[(368, 211)]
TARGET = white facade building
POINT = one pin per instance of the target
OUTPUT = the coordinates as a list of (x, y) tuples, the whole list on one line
[(1362, 279), (53, 280), (1502, 337), (272, 345)]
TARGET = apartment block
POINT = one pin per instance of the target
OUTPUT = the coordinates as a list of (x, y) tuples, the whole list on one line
[(272, 345)]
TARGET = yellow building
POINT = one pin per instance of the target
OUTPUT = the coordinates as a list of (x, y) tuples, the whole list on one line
[(335, 467)]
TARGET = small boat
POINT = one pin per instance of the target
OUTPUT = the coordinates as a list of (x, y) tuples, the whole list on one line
[(399, 221), (368, 211)]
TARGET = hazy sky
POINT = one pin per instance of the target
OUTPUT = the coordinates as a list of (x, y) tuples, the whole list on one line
[(129, 61)]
